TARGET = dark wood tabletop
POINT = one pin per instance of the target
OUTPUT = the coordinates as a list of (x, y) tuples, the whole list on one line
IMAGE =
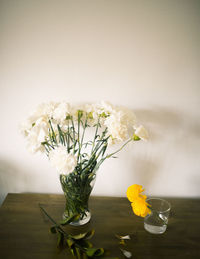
[(24, 231)]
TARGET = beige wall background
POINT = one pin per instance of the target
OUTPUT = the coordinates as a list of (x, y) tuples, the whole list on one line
[(142, 54)]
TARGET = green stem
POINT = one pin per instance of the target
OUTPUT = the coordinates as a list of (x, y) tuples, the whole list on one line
[(96, 131), (74, 134), (98, 145), (78, 138), (68, 138), (83, 134), (61, 230), (61, 138), (102, 151), (110, 155), (53, 133), (52, 220)]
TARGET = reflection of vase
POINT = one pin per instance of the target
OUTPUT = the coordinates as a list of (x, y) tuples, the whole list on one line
[(77, 188)]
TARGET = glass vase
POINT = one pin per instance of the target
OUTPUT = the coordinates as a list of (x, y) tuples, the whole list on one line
[(77, 188)]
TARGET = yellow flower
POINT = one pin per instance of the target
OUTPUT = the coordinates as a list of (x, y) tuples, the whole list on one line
[(140, 208), (134, 191), (138, 200)]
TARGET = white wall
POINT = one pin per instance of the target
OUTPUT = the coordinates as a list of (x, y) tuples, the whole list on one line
[(142, 54)]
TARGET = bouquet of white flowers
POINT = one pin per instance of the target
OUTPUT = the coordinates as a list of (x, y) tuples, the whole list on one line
[(63, 132)]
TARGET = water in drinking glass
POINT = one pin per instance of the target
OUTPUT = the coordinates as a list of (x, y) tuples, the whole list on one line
[(156, 221)]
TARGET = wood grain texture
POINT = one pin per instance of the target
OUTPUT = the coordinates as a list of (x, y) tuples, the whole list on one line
[(24, 229)]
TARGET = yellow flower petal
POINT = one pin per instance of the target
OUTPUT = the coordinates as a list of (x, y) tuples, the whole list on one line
[(140, 208), (133, 192)]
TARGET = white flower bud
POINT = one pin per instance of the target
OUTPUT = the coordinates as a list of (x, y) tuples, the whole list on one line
[(142, 133)]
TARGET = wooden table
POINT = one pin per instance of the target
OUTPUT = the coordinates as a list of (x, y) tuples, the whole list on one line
[(24, 232)]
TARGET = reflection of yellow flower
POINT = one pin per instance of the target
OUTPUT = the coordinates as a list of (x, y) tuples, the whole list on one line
[(140, 208), (138, 200), (134, 191)]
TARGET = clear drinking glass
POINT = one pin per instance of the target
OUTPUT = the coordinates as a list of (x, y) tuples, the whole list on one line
[(156, 221)]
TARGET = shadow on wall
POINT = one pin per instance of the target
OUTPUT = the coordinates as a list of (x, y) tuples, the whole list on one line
[(165, 124), (173, 134), (139, 169), (12, 178), (162, 124), (161, 121), (147, 171)]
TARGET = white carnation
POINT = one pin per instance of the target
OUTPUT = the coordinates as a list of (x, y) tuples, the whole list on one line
[(141, 132), (119, 121), (64, 162), (92, 113), (116, 128), (42, 113), (44, 110), (128, 118), (61, 111), (104, 109), (36, 135)]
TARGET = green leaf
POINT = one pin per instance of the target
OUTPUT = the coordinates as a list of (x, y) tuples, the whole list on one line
[(78, 253), (94, 252), (89, 234), (85, 243), (69, 220), (99, 252), (79, 236), (73, 252), (60, 239), (70, 242), (64, 222)]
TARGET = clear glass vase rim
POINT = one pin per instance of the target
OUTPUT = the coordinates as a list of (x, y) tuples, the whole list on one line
[(160, 199)]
